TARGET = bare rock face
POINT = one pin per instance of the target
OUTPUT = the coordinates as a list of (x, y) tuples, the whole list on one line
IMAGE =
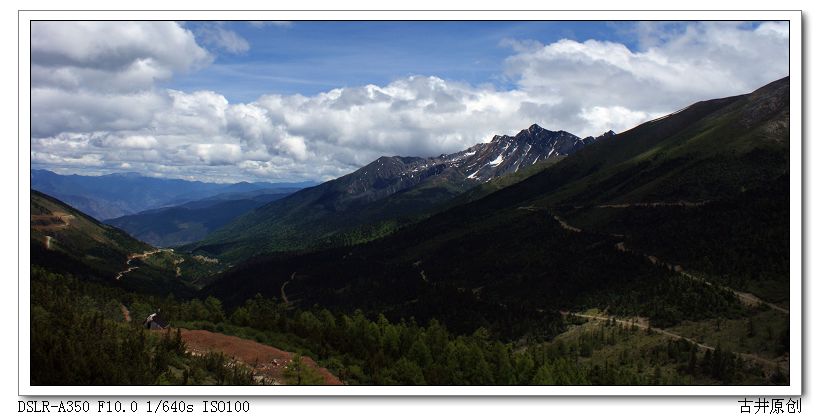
[(766, 102), (503, 155)]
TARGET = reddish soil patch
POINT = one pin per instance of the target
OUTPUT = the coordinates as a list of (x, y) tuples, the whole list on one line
[(269, 362), (51, 222)]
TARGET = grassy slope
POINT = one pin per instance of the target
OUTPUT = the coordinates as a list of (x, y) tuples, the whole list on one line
[(311, 219), (647, 354), (487, 253), (735, 163), (102, 246), (88, 248)]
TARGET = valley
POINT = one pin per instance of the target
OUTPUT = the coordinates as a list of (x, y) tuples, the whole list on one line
[(656, 255)]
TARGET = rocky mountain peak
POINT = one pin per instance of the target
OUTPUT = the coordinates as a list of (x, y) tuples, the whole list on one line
[(502, 155)]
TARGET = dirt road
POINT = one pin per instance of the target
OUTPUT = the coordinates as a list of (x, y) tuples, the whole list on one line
[(140, 256), (656, 204), (55, 221), (642, 324), (268, 362), (282, 289), (746, 298), (178, 267)]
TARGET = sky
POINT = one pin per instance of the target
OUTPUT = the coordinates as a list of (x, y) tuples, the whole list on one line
[(292, 101)]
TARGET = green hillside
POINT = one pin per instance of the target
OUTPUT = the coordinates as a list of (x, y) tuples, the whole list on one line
[(505, 256), (64, 240), (656, 256)]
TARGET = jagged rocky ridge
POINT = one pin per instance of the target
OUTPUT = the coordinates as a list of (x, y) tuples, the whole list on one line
[(477, 164), (388, 189)]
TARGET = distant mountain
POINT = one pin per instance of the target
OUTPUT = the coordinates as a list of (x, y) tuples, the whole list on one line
[(110, 196), (382, 195), (192, 221), (705, 188)]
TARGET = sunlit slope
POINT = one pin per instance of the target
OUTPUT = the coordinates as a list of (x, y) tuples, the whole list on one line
[(505, 255), (66, 240)]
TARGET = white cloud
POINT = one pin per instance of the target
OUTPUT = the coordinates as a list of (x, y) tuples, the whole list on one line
[(603, 118), (217, 153), (136, 142), (56, 111), (111, 56), (582, 87), (86, 160), (706, 61), (223, 39), (201, 113)]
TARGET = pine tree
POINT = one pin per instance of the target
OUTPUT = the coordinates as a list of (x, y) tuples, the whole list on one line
[(544, 376), (656, 376), (693, 357), (299, 373), (750, 329)]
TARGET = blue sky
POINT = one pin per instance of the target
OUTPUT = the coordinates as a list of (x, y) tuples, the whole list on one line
[(291, 101), (311, 57)]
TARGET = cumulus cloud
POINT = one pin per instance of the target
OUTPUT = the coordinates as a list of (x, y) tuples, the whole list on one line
[(687, 64), (111, 56), (126, 122)]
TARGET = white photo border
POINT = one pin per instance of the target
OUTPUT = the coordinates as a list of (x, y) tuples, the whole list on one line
[(796, 200)]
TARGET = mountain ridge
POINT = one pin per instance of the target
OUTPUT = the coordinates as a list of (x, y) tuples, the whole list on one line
[(191, 221), (388, 192), (114, 195), (506, 251)]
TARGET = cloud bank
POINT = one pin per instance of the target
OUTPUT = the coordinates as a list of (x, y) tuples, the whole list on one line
[(98, 105)]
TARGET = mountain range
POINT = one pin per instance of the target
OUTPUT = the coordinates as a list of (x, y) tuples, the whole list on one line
[(538, 255), (193, 221), (518, 250), (109, 196), (388, 193)]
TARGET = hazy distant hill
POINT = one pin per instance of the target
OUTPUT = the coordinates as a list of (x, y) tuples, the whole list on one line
[(192, 221), (110, 196)]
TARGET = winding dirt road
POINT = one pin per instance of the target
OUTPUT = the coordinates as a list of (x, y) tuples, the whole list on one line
[(141, 256), (746, 298), (55, 221), (178, 267), (639, 323), (282, 289)]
